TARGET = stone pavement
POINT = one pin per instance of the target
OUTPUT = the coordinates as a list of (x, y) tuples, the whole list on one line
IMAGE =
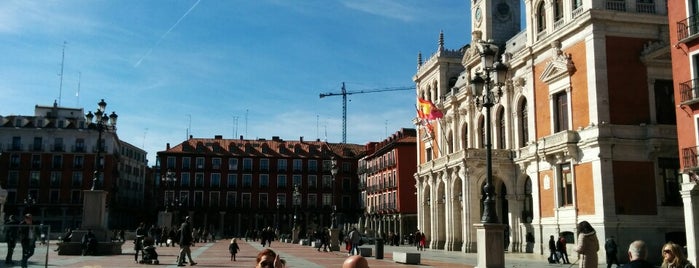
[(216, 255)]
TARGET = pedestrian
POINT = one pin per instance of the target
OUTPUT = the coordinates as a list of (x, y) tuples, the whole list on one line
[(11, 238), (610, 249), (324, 240), (354, 239), (673, 257), (138, 241), (553, 257), (587, 245), (418, 238), (267, 258), (637, 256), (185, 242), (233, 249), (355, 262), (27, 234), (562, 250), (423, 241)]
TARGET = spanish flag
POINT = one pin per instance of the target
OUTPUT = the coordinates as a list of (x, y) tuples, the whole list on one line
[(427, 110)]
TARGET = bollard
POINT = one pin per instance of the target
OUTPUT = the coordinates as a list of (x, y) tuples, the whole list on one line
[(379, 248)]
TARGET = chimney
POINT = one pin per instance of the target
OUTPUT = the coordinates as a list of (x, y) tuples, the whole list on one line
[(167, 146), (218, 137), (241, 137), (301, 138), (190, 137)]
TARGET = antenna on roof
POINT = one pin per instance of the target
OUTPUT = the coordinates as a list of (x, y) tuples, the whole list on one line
[(60, 86), (77, 94)]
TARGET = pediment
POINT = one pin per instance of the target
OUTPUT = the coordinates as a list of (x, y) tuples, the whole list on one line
[(562, 66)]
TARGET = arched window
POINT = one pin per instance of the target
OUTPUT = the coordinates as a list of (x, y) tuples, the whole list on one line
[(541, 17), (481, 131), (528, 211), (576, 4), (523, 124), (464, 135), (501, 128)]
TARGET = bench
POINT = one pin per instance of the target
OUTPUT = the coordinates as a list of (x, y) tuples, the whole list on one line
[(103, 248), (406, 257), (364, 251)]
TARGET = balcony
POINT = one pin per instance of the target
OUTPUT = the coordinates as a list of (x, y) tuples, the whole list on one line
[(689, 92), (687, 28), (689, 158), (616, 5)]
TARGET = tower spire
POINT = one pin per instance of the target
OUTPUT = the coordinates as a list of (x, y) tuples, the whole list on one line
[(419, 59), (441, 40)]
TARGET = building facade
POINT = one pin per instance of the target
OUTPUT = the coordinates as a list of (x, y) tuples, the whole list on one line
[(235, 185), (48, 159), (386, 175), (684, 34), (582, 129)]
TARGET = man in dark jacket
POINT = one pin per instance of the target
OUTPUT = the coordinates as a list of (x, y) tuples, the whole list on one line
[(11, 237), (611, 249), (27, 235), (185, 243), (637, 255), (553, 258)]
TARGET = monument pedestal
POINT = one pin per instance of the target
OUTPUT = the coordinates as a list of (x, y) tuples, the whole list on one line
[(491, 245), (295, 235), (334, 239), (165, 219), (94, 219)]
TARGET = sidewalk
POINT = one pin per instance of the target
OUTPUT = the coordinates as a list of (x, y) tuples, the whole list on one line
[(216, 255)]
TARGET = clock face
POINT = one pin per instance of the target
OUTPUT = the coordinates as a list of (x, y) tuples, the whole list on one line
[(503, 12)]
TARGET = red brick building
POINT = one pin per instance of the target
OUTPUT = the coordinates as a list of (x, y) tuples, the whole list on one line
[(233, 185)]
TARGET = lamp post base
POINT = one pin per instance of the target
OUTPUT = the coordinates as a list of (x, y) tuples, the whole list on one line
[(335, 239), (295, 235), (491, 245)]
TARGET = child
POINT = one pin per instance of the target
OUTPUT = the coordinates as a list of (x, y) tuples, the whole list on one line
[(233, 248)]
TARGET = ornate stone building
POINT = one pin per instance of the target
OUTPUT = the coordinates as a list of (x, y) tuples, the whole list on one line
[(583, 127)]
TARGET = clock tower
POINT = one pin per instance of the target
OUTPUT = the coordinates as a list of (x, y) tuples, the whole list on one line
[(496, 19)]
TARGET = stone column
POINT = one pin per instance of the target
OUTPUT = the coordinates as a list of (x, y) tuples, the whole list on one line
[(690, 193), (491, 253)]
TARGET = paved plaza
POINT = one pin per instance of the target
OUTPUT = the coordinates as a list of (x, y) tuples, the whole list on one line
[(216, 255)]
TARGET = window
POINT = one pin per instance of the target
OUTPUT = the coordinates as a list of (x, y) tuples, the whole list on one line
[(185, 180), (54, 196), (232, 181), (312, 181), (296, 179), (186, 163), (16, 143), (246, 200), (58, 144), (57, 162), (199, 180), (171, 162), (298, 165), (200, 163), (346, 167), (312, 200), (233, 164), (664, 102), (312, 165), (560, 110), (231, 199), (247, 181), (55, 179), (264, 181), (214, 199), (541, 17), (281, 165), (77, 179), (264, 164), (327, 200), (36, 161), (34, 179), (79, 145), (215, 180), (428, 154), (528, 210), (501, 128), (263, 202), (75, 196), (216, 163), (14, 161), (558, 10), (281, 200), (327, 181), (327, 164), (523, 124), (247, 164), (281, 181), (577, 4), (566, 185), (198, 199), (37, 146), (671, 181), (78, 161)]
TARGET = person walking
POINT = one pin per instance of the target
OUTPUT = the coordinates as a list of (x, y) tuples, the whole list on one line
[(553, 257), (637, 256), (587, 245), (418, 239), (138, 241), (610, 248), (561, 248), (27, 235), (11, 238), (233, 248), (185, 242), (673, 257), (354, 239)]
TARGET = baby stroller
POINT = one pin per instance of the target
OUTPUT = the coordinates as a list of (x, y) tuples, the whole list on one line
[(149, 256)]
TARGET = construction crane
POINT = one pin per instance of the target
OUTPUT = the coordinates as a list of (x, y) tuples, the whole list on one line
[(344, 94)]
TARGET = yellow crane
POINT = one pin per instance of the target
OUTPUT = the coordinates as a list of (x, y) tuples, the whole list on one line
[(344, 94)]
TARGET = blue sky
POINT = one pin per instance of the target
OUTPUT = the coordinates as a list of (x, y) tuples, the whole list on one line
[(231, 68)]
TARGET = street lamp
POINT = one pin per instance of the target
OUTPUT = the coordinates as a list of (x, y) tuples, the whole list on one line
[(297, 195), (3, 198), (486, 87), (279, 204), (28, 204), (169, 180), (102, 123), (333, 171)]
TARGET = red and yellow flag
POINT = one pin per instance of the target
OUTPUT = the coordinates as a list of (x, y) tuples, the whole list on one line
[(427, 110)]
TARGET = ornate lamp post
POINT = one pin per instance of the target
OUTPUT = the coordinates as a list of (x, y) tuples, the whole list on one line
[(334, 234), (279, 204), (295, 229), (3, 198), (169, 180), (486, 88), (102, 123)]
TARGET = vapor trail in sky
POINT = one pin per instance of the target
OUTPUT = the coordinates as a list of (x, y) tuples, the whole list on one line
[(166, 33)]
